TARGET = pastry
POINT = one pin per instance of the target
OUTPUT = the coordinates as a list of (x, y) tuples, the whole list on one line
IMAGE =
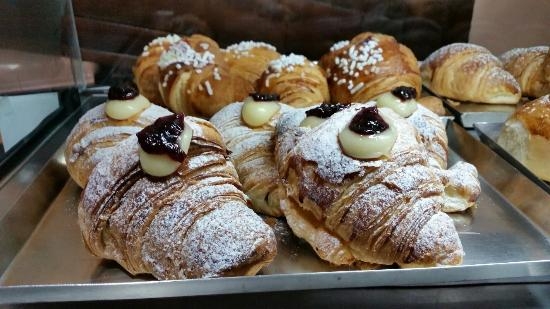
[(360, 189), (249, 59), (527, 65), (196, 80), (468, 72), (145, 70), (248, 129), (431, 130), (298, 81), (367, 66), (167, 202), (92, 139), (526, 136), (434, 104)]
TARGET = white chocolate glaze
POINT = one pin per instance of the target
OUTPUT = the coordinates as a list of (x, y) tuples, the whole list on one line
[(255, 114), (403, 108), (126, 109)]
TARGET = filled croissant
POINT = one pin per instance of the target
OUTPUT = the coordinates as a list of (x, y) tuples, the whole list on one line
[(360, 189), (468, 72), (103, 127), (248, 129), (367, 66), (167, 202), (298, 81), (531, 68), (195, 79)]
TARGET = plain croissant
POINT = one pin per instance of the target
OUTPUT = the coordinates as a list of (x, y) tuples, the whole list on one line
[(531, 67), (194, 223), (468, 72)]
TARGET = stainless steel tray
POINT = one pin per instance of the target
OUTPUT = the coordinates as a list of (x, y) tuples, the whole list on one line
[(505, 240), (488, 133), (467, 113)]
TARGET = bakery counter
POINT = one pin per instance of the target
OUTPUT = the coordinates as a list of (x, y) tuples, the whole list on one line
[(507, 262)]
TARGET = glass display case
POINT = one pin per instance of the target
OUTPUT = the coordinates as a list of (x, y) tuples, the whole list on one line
[(59, 58)]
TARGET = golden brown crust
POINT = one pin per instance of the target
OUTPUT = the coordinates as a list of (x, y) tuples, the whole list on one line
[(194, 223), (527, 65), (468, 72), (298, 81), (434, 104), (535, 116), (367, 66)]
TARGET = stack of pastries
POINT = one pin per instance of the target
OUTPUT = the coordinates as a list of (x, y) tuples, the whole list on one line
[(340, 149)]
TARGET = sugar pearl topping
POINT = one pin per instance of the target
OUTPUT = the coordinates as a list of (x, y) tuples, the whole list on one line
[(169, 39), (287, 62), (181, 52), (339, 45), (242, 48)]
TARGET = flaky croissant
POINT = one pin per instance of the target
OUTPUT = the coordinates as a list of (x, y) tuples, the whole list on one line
[(194, 223), (367, 66), (252, 151), (468, 72), (527, 65), (195, 79), (248, 60), (298, 81), (381, 211), (145, 70), (96, 134)]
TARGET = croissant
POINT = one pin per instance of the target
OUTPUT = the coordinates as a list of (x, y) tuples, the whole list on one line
[(252, 150), (526, 136), (468, 72), (527, 65), (248, 60), (193, 223), (367, 66), (145, 70), (197, 81), (96, 134), (382, 210), (298, 81)]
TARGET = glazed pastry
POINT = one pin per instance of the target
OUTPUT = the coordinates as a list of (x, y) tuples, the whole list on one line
[(468, 72), (526, 136), (367, 66), (192, 222), (249, 59), (527, 65), (248, 130), (298, 81), (360, 189), (195, 80), (145, 70), (104, 126)]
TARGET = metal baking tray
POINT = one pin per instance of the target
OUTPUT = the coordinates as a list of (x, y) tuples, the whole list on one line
[(468, 113), (44, 260), (488, 133)]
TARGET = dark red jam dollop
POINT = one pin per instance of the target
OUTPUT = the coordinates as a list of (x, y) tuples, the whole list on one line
[(162, 137), (404, 93), (265, 97), (368, 122), (124, 91), (325, 110)]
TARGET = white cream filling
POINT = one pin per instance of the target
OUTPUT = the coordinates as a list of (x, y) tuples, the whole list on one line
[(404, 109), (126, 109), (367, 146), (311, 121), (255, 114), (160, 165)]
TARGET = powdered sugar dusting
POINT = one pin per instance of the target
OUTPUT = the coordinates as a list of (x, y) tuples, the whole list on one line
[(432, 134), (515, 53)]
